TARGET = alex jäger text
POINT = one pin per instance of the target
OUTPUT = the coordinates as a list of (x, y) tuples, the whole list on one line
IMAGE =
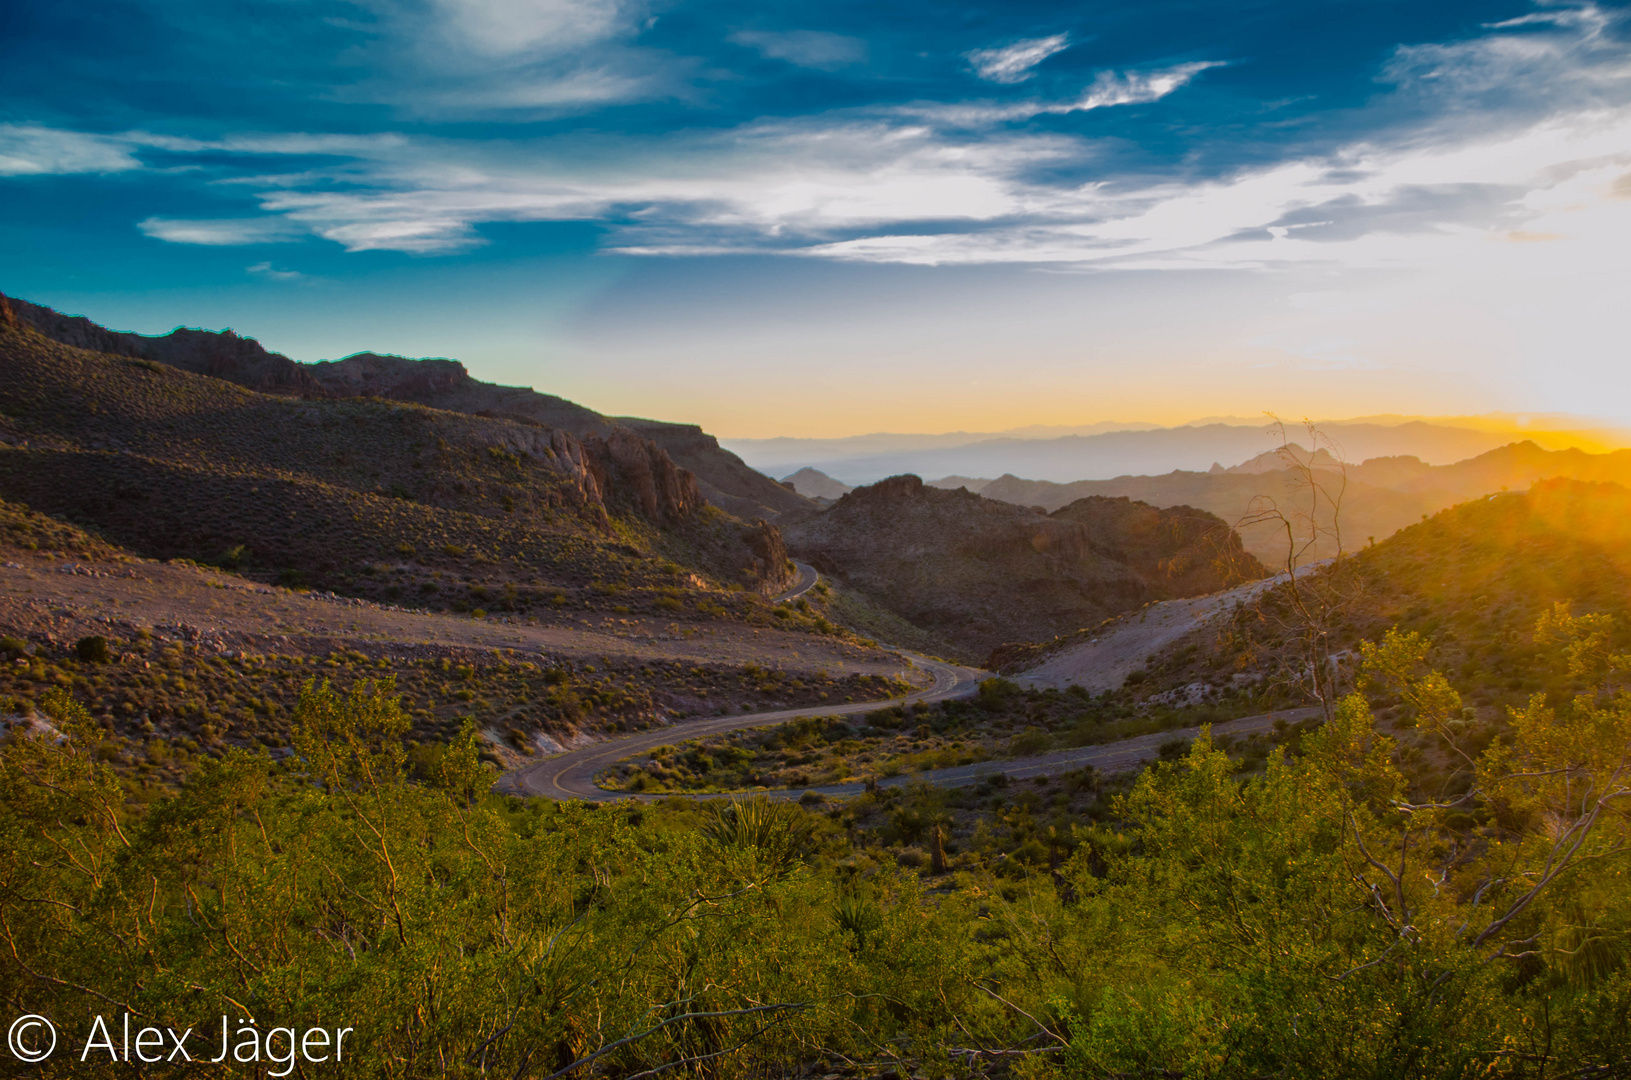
[(247, 1044)]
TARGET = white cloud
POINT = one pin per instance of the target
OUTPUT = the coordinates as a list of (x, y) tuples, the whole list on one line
[(1013, 63), (271, 273), (508, 58), (806, 48), (231, 232), (1108, 89), (39, 151)]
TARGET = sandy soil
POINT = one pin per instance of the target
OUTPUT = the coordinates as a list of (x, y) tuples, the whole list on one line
[(68, 598)]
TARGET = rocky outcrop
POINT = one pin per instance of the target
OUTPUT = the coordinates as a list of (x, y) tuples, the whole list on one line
[(396, 377), (725, 479), (614, 462), (771, 562), (639, 470)]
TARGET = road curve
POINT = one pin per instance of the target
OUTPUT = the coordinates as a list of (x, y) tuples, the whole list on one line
[(807, 579), (572, 775)]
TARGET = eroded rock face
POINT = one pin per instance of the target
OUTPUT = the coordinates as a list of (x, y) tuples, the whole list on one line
[(639, 470), (771, 562)]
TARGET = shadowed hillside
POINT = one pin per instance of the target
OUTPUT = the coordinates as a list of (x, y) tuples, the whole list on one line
[(366, 496), (721, 476), (981, 573)]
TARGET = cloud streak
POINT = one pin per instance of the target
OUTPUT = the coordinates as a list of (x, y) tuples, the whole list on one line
[(1015, 63)]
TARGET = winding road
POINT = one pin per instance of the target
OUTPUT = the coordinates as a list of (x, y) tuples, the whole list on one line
[(572, 775), (807, 579)]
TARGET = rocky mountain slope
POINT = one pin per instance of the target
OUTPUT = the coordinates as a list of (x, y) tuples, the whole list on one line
[(721, 476), (370, 497), (981, 573)]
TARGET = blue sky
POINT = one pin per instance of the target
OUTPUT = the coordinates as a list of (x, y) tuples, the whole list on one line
[(826, 219)]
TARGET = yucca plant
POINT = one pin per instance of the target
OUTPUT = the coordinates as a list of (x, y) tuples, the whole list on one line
[(775, 834)]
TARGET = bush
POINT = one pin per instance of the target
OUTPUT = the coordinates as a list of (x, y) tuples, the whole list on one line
[(13, 648), (995, 693), (92, 650)]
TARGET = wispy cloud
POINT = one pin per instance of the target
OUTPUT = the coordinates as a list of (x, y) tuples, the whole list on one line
[(806, 48), (40, 151), (1014, 63), (271, 273), (222, 232), (1109, 88)]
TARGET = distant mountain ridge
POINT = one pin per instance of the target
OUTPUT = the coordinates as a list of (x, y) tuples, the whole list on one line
[(722, 478), (1382, 496), (1107, 455), (815, 484)]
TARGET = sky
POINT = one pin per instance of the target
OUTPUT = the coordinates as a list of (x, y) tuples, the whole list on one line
[(822, 220)]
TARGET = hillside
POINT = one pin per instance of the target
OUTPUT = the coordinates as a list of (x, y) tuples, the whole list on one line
[(980, 573), (1382, 496), (1473, 578), (721, 477), (368, 497)]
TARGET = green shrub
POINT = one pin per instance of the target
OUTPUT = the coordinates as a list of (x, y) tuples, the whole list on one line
[(93, 649)]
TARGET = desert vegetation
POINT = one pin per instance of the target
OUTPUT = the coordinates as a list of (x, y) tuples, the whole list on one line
[(1413, 920)]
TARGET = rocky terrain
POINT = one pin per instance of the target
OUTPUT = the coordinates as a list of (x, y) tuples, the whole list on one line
[(980, 573), (190, 660), (720, 476)]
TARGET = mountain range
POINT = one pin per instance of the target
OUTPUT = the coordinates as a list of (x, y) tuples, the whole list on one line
[(1146, 451)]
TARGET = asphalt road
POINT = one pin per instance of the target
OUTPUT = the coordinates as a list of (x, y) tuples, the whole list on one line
[(572, 775), (1106, 758), (807, 579)]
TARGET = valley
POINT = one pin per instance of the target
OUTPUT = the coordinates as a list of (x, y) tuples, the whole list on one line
[(263, 621)]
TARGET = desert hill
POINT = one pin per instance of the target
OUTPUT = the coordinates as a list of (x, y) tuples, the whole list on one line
[(721, 477), (370, 497), (980, 573), (1474, 578), (815, 484)]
